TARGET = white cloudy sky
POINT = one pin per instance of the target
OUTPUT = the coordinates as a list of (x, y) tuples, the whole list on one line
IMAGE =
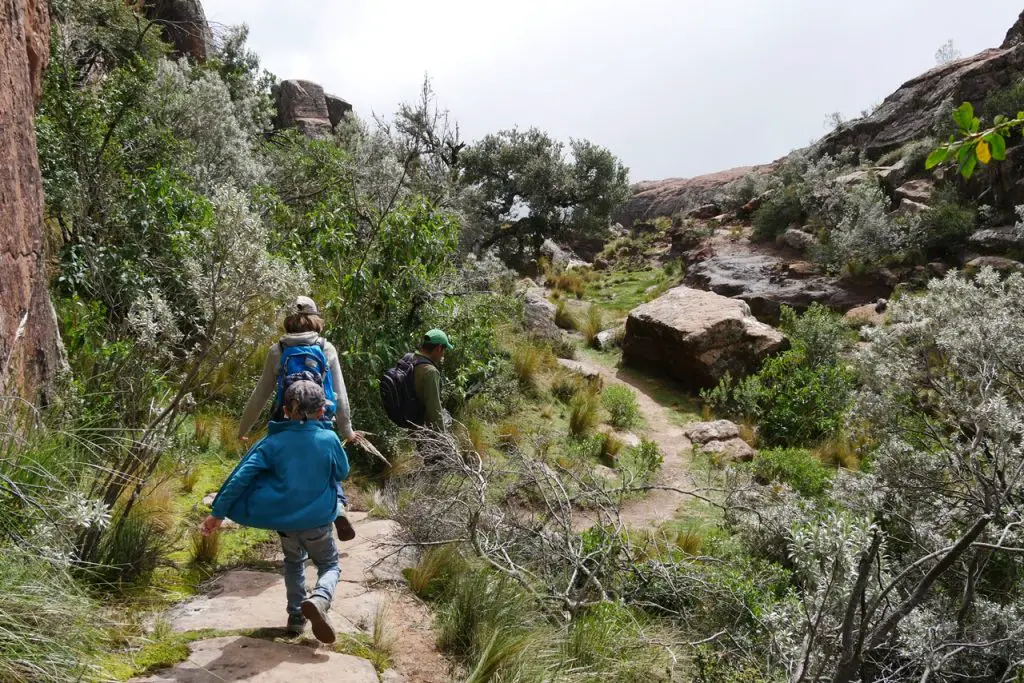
[(674, 87)]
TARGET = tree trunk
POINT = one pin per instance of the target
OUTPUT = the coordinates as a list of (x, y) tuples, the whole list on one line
[(30, 351)]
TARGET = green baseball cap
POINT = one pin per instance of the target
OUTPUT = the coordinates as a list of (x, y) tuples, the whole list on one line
[(437, 337)]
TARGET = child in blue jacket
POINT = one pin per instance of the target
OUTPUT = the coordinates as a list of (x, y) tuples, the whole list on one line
[(288, 483)]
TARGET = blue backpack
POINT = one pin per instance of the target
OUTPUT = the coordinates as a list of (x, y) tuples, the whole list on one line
[(305, 362)]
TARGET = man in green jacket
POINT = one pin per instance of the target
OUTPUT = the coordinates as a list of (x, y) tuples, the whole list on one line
[(427, 377)]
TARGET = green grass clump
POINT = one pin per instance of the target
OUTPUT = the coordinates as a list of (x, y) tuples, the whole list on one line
[(592, 326), (479, 604), (622, 407), (205, 549), (564, 318), (583, 414), (566, 385), (49, 628), (527, 361), (794, 466), (436, 570)]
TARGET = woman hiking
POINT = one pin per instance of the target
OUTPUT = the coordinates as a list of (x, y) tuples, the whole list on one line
[(303, 354)]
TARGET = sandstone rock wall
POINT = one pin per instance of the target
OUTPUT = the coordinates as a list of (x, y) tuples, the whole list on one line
[(184, 26), (29, 343)]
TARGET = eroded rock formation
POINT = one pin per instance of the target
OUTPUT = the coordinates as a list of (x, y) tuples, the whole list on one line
[(29, 343)]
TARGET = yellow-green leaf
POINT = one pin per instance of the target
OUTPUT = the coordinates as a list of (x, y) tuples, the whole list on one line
[(984, 152)]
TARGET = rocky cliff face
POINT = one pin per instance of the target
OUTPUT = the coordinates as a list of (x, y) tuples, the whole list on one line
[(924, 103), (184, 26), (653, 198), (29, 343), (917, 110)]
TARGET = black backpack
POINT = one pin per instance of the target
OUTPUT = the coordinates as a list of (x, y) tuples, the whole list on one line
[(398, 392)]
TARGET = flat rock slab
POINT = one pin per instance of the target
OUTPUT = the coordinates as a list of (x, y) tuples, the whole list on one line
[(238, 658), (243, 599)]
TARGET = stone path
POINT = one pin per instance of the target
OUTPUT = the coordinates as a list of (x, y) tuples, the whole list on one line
[(253, 603)]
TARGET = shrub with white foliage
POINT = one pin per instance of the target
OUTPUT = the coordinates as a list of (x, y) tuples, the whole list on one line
[(867, 233), (914, 570), (196, 105)]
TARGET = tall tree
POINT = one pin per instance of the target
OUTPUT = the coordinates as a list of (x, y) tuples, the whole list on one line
[(522, 188)]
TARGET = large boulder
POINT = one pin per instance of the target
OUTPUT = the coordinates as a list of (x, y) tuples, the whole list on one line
[(300, 103), (184, 25), (798, 239), (997, 263), (919, 191), (1015, 36), (539, 315), (559, 257), (305, 106), (695, 337), (998, 240), (30, 351), (337, 108)]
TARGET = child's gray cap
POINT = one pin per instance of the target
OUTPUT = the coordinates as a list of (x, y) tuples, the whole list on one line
[(304, 399)]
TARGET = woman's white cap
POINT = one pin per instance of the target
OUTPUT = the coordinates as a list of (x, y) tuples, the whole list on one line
[(304, 304)]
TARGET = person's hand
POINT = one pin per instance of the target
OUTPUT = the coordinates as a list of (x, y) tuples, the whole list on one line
[(359, 439), (210, 524), (243, 438)]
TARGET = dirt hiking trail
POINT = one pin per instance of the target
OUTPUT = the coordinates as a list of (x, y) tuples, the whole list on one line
[(657, 506), (243, 610)]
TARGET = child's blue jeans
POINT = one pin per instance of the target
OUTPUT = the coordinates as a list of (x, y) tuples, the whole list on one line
[(318, 545)]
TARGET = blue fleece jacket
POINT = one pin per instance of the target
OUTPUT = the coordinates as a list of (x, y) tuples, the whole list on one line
[(288, 481)]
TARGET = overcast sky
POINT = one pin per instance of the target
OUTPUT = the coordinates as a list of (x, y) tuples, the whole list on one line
[(673, 87)]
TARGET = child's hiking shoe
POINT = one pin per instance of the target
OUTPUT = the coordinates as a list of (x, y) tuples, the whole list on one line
[(315, 609), (296, 624), (346, 531)]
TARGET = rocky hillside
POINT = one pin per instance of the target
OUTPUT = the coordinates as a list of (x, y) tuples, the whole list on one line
[(919, 110)]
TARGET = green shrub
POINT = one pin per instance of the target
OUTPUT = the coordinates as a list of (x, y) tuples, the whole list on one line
[(801, 396), (946, 225), (794, 466), (643, 460), (622, 407), (821, 335), (1007, 101), (780, 211), (583, 414)]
